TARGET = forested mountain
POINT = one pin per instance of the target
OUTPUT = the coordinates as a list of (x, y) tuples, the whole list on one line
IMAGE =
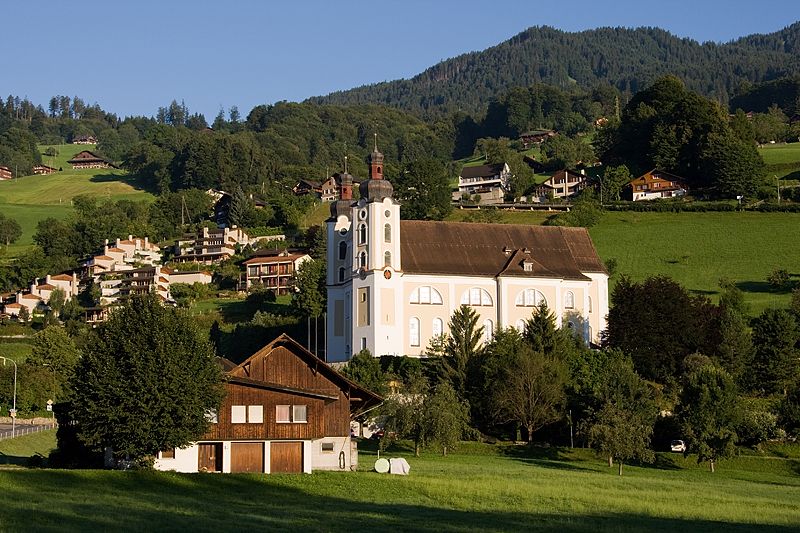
[(628, 59), (783, 92)]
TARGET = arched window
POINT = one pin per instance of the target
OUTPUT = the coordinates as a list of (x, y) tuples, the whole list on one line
[(529, 298), (488, 330), (341, 274), (590, 303), (438, 327), (342, 251), (413, 331), (520, 325), (387, 233), (476, 297), (362, 259), (425, 295), (589, 333), (387, 259), (569, 300), (362, 234)]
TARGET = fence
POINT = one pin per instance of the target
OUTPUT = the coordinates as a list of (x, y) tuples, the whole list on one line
[(24, 430)]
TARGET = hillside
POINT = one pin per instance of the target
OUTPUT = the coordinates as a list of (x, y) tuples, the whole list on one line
[(628, 59), (30, 199)]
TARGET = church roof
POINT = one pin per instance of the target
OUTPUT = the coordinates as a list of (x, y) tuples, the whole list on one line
[(468, 249)]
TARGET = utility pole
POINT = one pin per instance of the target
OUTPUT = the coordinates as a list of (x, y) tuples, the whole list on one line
[(778, 183), (14, 406)]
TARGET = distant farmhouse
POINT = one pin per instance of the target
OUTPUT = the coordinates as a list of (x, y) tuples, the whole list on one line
[(656, 184), (284, 411), (327, 191), (490, 182), (87, 159), (84, 139), (563, 184), (535, 137), (43, 169), (5, 173)]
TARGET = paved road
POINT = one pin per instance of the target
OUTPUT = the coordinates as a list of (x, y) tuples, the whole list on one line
[(5, 429)]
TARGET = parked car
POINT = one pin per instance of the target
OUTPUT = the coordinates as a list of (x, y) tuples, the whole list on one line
[(677, 446)]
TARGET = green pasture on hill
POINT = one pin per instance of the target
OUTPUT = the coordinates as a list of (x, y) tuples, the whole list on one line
[(479, 488), (774, 154)]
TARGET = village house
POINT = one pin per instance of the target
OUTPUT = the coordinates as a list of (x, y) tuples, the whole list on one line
[(284, 410), (563, 184), (656, 184), (87, 159), (5, 173), (327, 191), (393, 285), (43, 169), (273, 269), (535, 137), (210, 246), (490, 182), (84, 139), (37, 297), (122, 255)]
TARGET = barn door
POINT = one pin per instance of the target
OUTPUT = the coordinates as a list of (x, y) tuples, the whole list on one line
[(247, 457), (286, 457), (209, 457)]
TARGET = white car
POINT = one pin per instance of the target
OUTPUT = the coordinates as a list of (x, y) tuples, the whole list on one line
[(677, 446)]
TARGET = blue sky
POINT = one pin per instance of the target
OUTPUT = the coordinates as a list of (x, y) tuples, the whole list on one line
[(132, 57)]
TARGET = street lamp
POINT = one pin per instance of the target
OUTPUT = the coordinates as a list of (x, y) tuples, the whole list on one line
[(14, 406), (50, 406)]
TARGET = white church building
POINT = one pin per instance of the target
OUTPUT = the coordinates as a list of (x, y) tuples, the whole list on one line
[(393, 285)]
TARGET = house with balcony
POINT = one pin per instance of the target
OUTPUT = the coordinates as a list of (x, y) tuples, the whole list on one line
[(656, 184), (490, 182), (273, 270), (562, 185)]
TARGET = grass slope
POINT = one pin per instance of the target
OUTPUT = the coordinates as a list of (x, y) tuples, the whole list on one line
[(19, 449), (774, 154), (494, 489), (32, 198), (697, 249)]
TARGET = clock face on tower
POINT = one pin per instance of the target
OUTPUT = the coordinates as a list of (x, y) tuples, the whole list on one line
[(387, 274)]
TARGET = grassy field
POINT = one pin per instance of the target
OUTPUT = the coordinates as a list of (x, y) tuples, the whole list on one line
[(19, 450), (481, 488), (780, 153), (18, 351), (32, 198)]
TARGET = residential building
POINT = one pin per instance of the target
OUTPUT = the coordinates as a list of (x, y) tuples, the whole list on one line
[(535, 137), (273, 270), (656, 184), (87, 159), (393, 285), (6, 173), (327, 190), (84, 139), (563, 184), (43, 169), (490, 182), (210, 246), (284, 411)]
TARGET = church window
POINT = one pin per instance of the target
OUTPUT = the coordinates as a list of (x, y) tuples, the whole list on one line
[(413, 331), (488, 330), (362, 259), (438, 327), (476, 297), (341, 274), (530, 298), (387, 259), (569, 300), (362, 214), (590, 304), (387, 213), (342, 251), (425, 295), (387, 233), (362, 234)]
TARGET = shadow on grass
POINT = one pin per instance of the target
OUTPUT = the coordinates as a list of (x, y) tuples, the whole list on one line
[(662, 462), (131, 501), (127, 179), (703, 292), (763, 287), (545, 457)]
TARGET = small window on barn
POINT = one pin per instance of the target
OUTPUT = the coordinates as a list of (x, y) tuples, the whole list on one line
[(299, 414), (211, 416), (283, 414), (255, 414), (327, 447), (168, 454), (238, 414)]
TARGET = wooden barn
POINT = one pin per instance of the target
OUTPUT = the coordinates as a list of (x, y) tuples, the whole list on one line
[(87, 159), (5, 173), (284, 410)]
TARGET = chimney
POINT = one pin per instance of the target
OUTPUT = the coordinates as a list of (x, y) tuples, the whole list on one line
[(146, 242), (106, 242), (130, 237), (47, 279), (33, 287), (583, 172), (105, 250), (117, 242)]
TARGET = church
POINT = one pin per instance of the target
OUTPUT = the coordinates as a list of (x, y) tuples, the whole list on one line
[(393, 285)]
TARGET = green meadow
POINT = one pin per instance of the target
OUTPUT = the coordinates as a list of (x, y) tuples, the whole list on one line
[(481, 487), (30, 199)]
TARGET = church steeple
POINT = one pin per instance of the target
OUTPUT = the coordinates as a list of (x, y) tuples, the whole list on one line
[(376, 162), (376, 188)]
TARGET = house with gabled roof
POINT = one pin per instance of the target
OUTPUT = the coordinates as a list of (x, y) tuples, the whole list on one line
[(273, 269), (656, 184), (562, 184), (284, 410), (5, 173), (87, 159), (43, 169), (490, 182)]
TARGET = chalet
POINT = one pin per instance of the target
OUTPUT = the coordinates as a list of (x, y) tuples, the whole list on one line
[(274, 270), (563, 184), (656, 184), (491, 182), (43, 169), (284, 410), (87, 159), (535, 137), (84, 139), (327, 191), (5, 173)]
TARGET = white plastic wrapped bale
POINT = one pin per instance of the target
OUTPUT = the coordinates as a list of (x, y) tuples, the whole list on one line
[(399, 466), (382, 466)]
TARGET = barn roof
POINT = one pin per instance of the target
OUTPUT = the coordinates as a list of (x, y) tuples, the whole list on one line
[(482, 171)]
